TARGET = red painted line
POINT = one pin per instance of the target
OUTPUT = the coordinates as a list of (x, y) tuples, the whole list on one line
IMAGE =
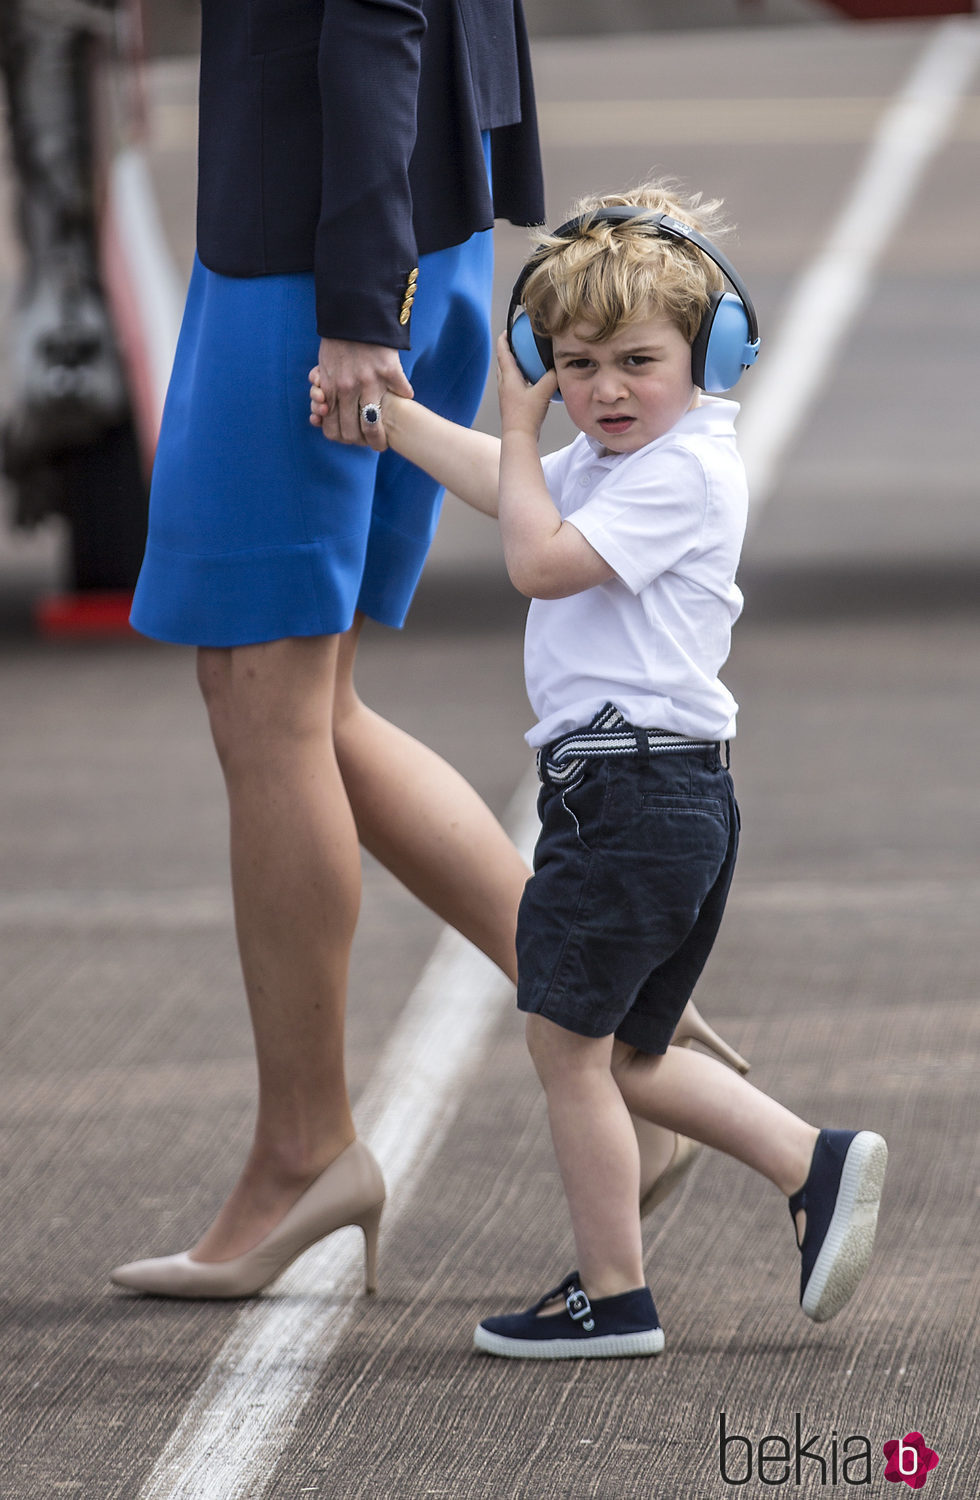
[(897, 10), (88, 615)]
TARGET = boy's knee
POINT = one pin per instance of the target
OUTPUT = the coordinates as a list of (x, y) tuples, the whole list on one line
[(557, 1052)]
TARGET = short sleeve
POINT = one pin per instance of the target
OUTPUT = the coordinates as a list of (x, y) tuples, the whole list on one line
[(648, 517)]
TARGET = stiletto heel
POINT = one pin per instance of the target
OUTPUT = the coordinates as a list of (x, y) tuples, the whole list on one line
[(685, 1154), (350, 1191), (371, 1223), (692, 1027)]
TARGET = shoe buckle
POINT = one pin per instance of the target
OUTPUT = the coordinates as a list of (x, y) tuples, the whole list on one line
[(580, 1309)]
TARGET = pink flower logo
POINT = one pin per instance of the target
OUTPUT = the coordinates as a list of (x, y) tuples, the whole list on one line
[(909, 1459)]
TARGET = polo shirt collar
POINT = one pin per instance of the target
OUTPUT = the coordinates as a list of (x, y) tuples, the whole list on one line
[(713, 414)]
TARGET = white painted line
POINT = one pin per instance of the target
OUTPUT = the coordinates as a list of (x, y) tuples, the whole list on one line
[(151, 265), (569, 125), (145, 289), (243, 1415), (793, 367)]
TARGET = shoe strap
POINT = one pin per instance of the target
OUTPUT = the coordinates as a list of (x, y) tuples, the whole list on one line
[(559, 1293), (576, 1301)]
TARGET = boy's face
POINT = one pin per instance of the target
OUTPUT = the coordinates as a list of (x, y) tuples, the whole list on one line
[(628, 390)]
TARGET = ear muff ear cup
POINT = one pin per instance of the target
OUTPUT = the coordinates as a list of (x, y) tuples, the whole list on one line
[(533, 354), (723, 345)]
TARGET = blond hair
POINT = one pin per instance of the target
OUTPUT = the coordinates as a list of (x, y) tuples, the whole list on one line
[(609, 275)]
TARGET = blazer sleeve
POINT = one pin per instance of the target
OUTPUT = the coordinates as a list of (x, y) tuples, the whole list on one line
[(366, 258)]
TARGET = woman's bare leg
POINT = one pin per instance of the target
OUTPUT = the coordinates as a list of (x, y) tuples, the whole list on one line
[(296, 885), (426, 824)]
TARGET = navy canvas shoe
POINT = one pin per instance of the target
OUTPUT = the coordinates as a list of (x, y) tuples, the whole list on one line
[(608, 1328), (840, 1198)]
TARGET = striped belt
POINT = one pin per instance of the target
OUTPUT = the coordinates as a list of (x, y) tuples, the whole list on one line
[(562, 763)]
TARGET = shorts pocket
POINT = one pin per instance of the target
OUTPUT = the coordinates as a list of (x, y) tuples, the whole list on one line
[(706, 807)]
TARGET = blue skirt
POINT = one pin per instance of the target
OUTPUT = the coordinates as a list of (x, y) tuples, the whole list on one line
[(259, 527)]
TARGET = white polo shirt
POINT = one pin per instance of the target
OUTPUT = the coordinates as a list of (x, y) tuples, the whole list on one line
[(670, 520)]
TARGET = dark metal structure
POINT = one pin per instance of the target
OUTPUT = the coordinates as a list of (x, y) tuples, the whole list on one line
[(67, 441)]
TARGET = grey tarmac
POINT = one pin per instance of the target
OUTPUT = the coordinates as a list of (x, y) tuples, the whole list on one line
[(846, 970)]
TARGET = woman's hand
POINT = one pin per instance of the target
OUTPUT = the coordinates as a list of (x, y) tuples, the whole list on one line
[(350, 376), (523, 407), (371, 433)]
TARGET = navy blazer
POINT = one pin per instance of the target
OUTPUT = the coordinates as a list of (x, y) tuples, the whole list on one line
[(343, 137)]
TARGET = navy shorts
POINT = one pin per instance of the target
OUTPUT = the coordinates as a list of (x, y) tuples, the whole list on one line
[(631, 873)]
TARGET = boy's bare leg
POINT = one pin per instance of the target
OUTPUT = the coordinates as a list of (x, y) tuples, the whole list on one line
[(595, 1146), (698, 1096), (296, 886), (427, 825)]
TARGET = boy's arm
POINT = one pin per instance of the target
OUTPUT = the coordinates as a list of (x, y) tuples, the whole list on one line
[(466, 462), (547, 558)]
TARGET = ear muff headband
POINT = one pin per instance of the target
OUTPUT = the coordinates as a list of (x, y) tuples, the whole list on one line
[(727, 341)]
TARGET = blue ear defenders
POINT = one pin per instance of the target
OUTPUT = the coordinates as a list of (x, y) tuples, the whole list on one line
[(726, 343)]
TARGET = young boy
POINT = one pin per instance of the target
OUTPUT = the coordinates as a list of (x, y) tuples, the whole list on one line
[(627, 543)]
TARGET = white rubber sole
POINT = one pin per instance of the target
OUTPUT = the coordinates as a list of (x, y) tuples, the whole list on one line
[(611, 1346), (846, 1251)]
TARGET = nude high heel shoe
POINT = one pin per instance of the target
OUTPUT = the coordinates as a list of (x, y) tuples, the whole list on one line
[(350, 1191), (686, 1153), (692, 1027)]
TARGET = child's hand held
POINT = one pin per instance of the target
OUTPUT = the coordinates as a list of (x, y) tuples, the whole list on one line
[(372, 426), (318, 405)]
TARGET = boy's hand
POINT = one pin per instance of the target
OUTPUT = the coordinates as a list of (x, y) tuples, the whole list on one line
[(371, 435), (523, 407)]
